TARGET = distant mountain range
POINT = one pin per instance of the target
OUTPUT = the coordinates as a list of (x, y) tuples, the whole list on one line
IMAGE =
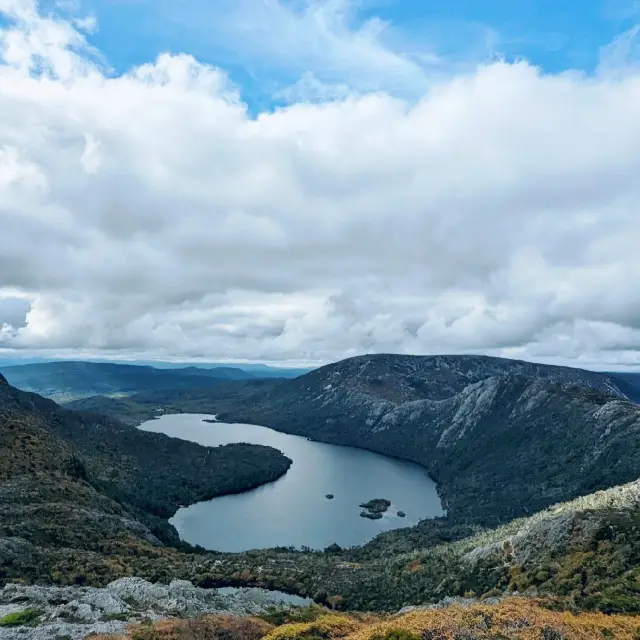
[(66, 381), (258, 369)]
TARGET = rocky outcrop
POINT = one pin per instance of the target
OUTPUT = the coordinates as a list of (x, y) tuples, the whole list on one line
[(77, 612), (556, 530), (373, 509)]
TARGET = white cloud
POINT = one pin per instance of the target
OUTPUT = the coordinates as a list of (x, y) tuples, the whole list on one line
[(91, 157), (88, 24), (310, 44), (149, 213), (623, 54)]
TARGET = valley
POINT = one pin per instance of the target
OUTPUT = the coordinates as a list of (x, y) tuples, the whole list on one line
[(68, 381), (536, 466), (501, 438), (81, 484)]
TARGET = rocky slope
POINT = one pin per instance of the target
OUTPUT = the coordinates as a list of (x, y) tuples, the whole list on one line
[(628, 383), (502, 438), (77, 612), (148, 612)]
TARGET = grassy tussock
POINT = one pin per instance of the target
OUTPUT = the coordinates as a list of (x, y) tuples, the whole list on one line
[(512, 619)]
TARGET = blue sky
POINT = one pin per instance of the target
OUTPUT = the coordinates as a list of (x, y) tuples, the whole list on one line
[(399, 46)]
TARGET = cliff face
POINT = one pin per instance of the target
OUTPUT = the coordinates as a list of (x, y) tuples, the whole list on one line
[(502, 438)]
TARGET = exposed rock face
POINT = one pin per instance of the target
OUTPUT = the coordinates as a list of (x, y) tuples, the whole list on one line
[(556, 530), (502, 438), (79, 611)]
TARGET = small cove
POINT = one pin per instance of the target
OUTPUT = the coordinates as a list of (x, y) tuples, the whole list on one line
[(293, 511)]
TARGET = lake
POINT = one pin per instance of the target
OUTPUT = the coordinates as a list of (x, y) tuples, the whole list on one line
[(293, 510)]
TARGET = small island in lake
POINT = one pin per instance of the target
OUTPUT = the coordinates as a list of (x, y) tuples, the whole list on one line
[(374, 508)]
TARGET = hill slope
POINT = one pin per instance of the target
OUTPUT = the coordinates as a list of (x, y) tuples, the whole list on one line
[(628, 383), (65, 381), (71, 480), (502, 438)]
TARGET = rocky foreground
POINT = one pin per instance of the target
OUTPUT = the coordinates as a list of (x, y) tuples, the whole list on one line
[(131, 609), (76, 612)]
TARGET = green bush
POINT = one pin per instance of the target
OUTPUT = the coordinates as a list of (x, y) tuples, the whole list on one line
[(278, 616), (20, 618), (397, 634)]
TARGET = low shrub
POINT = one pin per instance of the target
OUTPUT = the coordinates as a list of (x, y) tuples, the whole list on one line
[(20, 618)]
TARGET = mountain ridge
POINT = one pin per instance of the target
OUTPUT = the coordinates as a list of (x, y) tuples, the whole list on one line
[(69, 380), (500, 447), (520, 420)]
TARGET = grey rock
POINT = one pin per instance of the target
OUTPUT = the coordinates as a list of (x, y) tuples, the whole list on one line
[(79, 611)]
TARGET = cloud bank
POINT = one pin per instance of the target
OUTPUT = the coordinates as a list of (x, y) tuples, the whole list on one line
[(149, 213)]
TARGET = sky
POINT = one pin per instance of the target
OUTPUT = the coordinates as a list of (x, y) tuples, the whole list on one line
[(299, 181)]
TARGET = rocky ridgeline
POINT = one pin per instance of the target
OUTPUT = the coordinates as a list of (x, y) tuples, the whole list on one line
[(76, 612), (502, 439)]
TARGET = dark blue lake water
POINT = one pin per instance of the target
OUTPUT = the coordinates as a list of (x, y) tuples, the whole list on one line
[(293, 510)]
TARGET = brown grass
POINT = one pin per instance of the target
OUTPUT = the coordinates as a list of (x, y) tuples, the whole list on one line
[(211, 627), (512, 619)]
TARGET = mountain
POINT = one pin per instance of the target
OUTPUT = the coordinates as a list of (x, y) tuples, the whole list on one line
[(147, 405), (266, 371), (65, 381), (222, 373), (502, 438), (73, 482), (629, 383), (258, 369)]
